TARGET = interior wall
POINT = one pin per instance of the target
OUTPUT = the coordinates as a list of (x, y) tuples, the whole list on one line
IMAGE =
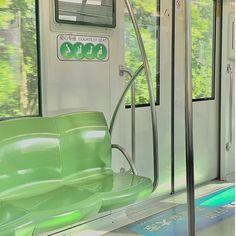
[(70, 86), (76, 85)]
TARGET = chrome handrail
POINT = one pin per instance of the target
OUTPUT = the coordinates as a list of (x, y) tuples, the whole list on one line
[(127, 156), (151, 94), (133, 121), (137, 72)]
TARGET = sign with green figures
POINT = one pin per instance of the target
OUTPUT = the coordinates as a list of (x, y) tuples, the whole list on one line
[(82, 48)]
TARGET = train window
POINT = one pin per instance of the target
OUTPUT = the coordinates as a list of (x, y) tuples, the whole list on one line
[(203, 38), (19, 95), (147, 13), (86, 12)]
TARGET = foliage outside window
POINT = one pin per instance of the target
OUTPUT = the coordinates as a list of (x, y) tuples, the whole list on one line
[(18, 59), (147, 16), (202, 48)]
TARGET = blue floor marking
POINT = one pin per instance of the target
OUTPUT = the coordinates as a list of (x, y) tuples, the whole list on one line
[(210, 210)]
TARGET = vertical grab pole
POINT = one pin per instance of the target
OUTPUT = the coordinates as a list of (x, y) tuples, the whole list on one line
[(173, 100), (151, 94), (189, 120), (123, 70), (133, 122)]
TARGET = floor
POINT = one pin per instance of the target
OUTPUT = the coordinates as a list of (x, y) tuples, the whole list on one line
[(215, 216)]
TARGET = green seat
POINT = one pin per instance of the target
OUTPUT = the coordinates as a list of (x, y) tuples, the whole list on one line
[(64, 206), (57, 171), (29, 158), (118, 189), (12, 219), (86, 150), (85, 144), (124, 190)]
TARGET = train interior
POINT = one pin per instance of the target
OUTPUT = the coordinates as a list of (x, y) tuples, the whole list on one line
[(94, 111)]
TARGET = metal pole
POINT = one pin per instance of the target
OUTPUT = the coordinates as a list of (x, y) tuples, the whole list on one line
[(173, 100), (189, 120), (151, 94), (133, 122)]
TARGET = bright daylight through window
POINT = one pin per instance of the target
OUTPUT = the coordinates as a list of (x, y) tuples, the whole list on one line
[(147, 13), (203, 48), (19, 94)]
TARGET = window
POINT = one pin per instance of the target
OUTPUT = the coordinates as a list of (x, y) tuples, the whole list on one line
[(203, 24), (89, 12), (19, 95), (147, 14)]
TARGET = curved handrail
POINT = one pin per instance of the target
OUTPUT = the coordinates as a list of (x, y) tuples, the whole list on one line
[(127, 156), (137, 72), (151, 94)]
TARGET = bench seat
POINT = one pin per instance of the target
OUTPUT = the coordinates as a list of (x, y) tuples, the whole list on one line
[(56, 172), (14, 220), (118, 189)]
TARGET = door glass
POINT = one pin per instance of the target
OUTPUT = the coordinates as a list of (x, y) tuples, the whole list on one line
[(147, 14), (203, 49)]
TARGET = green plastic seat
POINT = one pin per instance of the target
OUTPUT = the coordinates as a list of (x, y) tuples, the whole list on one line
[(29, 158), (124, 190), (56, 171), (118, 189), (87, 150), (14, 220), (85, 144), (64, 206)]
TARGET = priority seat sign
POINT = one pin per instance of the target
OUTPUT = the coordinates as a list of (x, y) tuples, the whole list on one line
[(82, 48)]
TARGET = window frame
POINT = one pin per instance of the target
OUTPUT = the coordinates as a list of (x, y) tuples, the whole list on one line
[(213, 84), (38, 51)]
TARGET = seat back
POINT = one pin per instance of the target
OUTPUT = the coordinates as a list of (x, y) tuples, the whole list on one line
[(85, 143), (29, 157)]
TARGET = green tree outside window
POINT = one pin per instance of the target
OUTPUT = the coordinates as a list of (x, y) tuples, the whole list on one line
[(146, 14), (18, 59), (202, 48)]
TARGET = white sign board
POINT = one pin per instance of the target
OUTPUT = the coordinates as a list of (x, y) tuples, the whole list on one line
[(82, 48)]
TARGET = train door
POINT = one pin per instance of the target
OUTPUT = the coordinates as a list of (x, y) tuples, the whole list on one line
[(206, 91), (154, 20), (72, 85), (156, 28)]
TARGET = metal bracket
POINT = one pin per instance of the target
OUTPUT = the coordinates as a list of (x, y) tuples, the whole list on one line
[(127, 156)]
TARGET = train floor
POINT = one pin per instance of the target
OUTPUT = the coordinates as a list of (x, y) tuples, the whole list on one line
[(215, 216)]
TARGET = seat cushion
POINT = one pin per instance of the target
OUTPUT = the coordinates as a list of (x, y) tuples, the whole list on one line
[(59, 208), (118, 189), (122, 189), (14, 220)]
